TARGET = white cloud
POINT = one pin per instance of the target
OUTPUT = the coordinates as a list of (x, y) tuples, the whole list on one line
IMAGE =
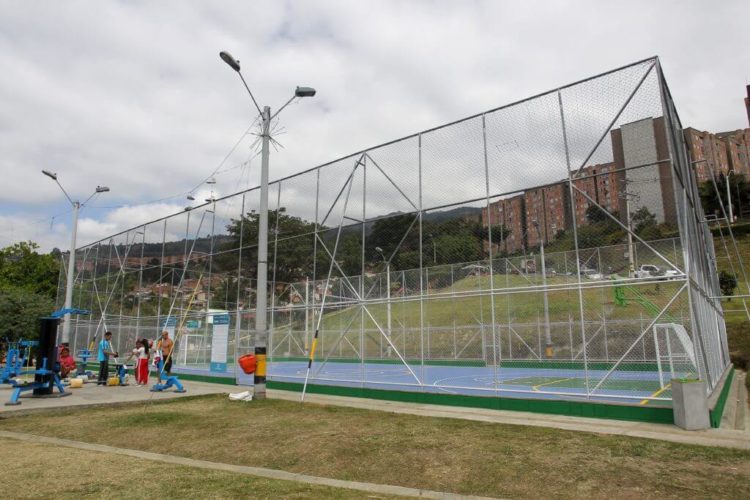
[(133, 95)]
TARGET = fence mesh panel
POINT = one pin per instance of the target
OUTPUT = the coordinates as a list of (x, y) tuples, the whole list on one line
[(554, 247)]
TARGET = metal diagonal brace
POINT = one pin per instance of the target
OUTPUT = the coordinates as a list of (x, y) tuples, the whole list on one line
[(646, 330)]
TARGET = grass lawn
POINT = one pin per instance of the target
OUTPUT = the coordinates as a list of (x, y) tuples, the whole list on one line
[(38, 471), (433, 453)]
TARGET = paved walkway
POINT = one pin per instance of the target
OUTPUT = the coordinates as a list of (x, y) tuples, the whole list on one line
[(93, 395), (239, 469)]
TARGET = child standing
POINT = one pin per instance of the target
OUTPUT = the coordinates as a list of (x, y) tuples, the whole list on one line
[(141, 367)]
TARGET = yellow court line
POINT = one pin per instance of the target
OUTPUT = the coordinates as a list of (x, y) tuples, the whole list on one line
[(536, 387), (666, 387)]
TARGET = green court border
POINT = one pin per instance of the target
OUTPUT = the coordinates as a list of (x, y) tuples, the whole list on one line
[(637, 413), (717, 411)]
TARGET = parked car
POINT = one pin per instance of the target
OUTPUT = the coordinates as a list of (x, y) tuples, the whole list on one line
[(651, 271), (647, 271)]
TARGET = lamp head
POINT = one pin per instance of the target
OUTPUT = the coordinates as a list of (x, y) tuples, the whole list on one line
[(378, 249), (50, 174), (231, 61), (102, 189), (304, 92)]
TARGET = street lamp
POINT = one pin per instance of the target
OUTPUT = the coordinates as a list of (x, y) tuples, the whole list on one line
[(434, 250), (548, 349), (729, 197), (387, 292), (631, 262), (71, 258), (261, 329)]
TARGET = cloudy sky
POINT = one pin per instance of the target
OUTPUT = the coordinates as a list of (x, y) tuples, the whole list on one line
[(133, 95)]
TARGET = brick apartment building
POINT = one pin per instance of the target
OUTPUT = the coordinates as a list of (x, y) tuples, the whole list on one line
[(546, 206), (601, 184), (708, 152), (737, 145), (509, 213), (641, 144), (722, 152)]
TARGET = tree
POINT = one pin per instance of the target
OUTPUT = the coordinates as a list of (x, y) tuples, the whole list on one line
[(293, 254), (22, 267), (20, 311), (712, 202), (727, 283), (595, 214), (28, 287), (388, 233), (499, 233), (645, 224)]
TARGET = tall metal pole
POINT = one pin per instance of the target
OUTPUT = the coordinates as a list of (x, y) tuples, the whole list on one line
[(729, 197), (261, 330), (71, 275), (631, 262), (548, 349), (434, 250), (388, 298)]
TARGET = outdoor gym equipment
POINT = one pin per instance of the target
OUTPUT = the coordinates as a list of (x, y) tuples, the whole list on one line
[(122, 373), (45, 378), (70, 310), (46, 385), (170, 381), (84, 355), (18, 353)]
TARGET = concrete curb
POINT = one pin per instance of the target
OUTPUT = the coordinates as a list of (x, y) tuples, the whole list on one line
[(711, 437), (239, 469)]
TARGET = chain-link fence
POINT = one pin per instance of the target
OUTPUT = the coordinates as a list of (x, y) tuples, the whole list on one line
[(554, 247)]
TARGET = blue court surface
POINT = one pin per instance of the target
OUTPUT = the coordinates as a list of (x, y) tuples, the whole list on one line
[(628, 387)]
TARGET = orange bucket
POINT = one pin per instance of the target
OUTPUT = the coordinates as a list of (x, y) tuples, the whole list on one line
[(248, 363)]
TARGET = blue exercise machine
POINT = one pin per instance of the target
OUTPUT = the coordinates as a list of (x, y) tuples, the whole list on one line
[(18, 353), (45, 376), (69, 310), (49, 379), (169, 381)]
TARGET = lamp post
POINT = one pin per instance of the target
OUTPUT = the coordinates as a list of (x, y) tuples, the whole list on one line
[(434, 249), (631, 260), (387, 292), (261, 328), (72, 257), (548, 349), (729, 197)]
